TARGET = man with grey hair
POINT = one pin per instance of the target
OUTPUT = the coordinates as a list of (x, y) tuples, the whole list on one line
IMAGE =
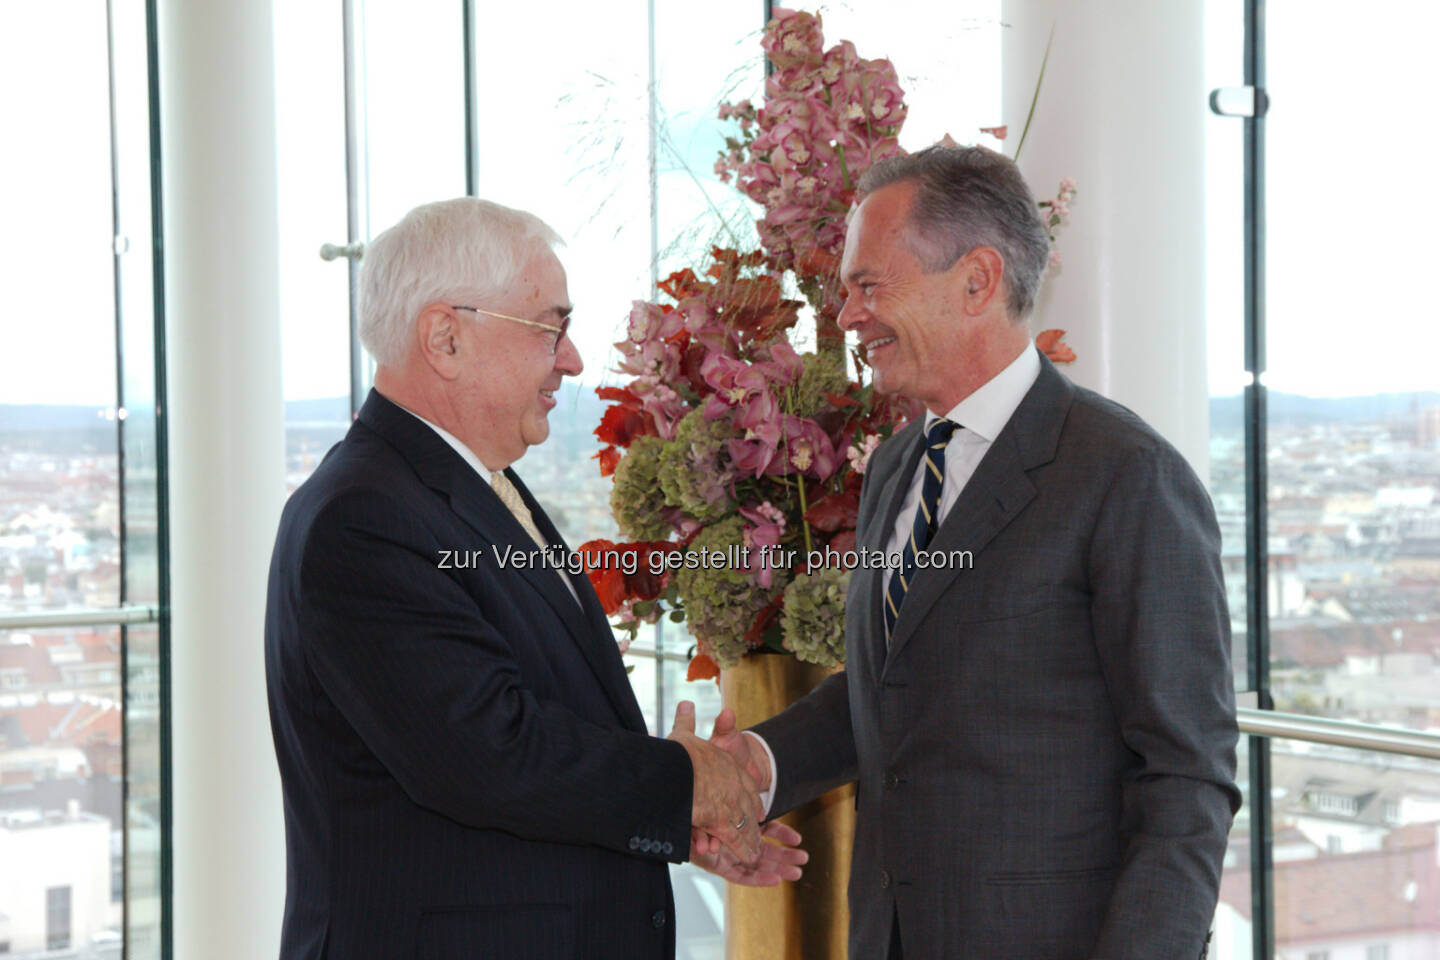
[(1044, 737), (466, 771)]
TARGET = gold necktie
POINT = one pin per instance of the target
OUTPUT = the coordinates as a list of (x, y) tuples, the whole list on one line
[(509, 496)]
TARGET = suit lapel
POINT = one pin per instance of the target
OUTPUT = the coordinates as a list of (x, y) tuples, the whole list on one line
[(877, 537), (442, 469), (589, 626), (994, 496)]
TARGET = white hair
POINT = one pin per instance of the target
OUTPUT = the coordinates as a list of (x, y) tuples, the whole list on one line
[(464, 247)]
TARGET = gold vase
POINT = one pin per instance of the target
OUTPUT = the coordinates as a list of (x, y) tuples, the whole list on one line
[(808, 920)]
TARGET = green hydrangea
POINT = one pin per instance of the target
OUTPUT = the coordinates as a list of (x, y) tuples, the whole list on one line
[(812, 616), (690, 467), (636, 499), (721, 603), (820, 373)]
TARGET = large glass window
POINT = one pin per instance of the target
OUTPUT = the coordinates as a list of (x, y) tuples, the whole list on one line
[(81, 487), (59, 529), (1355, 865), (311, 182), (1326, 477), (1354, 412)]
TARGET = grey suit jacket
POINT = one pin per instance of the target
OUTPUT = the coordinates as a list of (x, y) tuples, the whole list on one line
[(1046, 751)]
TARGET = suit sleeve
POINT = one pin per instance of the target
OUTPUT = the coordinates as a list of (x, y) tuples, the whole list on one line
[(813, 744), (435, 693), (813, 740), (1162, 631)]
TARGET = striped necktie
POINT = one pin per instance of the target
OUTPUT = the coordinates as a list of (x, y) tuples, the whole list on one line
[(926, 519), (510, 496)]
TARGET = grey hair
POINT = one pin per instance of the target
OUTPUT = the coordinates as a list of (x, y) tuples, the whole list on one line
[(968, 197), (464, 247)]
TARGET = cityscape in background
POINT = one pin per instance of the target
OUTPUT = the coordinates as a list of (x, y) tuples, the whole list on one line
[(1354, 602)]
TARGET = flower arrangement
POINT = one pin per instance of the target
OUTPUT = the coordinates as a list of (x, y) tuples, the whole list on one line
[(737, 461)]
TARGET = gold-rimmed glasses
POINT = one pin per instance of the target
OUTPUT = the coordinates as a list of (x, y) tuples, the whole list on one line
[(559, 331)]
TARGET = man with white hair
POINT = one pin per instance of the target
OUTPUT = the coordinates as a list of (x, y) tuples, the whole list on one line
[(466, 771)]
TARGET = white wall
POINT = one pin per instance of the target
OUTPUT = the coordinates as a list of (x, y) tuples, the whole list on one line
[(1122, 110)]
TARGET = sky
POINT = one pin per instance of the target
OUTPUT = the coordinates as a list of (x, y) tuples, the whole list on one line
[(564, 135)]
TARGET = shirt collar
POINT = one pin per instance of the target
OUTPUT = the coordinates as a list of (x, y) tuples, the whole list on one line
[(465, 452), (986, 411)]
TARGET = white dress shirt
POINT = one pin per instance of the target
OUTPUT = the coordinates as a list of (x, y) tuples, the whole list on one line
[(983, 415), (486, 474)]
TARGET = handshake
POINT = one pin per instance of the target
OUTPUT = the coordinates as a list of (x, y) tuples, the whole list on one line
[(731, 770)]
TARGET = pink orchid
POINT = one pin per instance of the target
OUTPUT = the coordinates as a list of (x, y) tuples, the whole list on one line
[(685, 526), (666, 408), (808, 449), (793, 38), (859, 456), (650, 322), (784, 364), (739, 384), (653, 361), (758, 453), (838, 60), (768, 526)]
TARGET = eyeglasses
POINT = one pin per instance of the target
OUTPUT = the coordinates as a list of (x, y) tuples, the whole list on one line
[(559, 331)]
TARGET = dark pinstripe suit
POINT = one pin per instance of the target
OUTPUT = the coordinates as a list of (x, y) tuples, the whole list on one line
[(466, 771), (1046, 747)]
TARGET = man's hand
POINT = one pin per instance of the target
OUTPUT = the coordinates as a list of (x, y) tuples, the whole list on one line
[(776, 863), (745, 751), (751, 758), (724, 801)]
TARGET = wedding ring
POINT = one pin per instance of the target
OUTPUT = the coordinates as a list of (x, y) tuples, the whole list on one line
[(740, 824)]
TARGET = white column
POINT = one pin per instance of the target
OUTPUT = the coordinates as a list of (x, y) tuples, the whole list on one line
[(217, 117), (1122, 110)]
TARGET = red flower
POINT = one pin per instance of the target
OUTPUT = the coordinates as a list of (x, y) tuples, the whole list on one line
[(838, 511), (690, 362), (644, 584), (609, 459), (818, 263), (623, 421), (607, 578), (702, 668), (755, 636), (682, 284), (1053, 347)]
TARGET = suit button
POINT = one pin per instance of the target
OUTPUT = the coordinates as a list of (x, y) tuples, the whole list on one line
[(634, 843), (892, 781), (668, 848), (884, 879), (658, 920), (646, 846)]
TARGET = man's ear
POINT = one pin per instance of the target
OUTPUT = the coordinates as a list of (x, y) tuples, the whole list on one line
[(982, 272), (438, 334)]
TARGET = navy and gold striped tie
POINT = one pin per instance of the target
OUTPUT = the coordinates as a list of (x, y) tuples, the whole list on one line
[(926, 518)]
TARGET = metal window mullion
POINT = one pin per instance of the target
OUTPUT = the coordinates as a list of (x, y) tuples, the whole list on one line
[(162, 481), (768, 7), (652, 155), (117, 286), (469, 54), (1257, 552), (357, 212)]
